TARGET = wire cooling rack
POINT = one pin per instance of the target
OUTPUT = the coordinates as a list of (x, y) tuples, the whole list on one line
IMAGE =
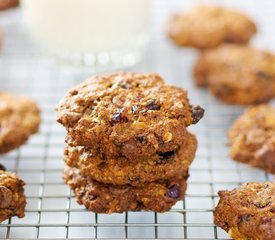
[(52, 211)]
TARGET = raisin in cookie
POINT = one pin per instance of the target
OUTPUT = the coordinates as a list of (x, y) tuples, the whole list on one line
[(209, 26), (107, 198), (19, 118), (5, 4), (127, 114), (121, 171), (248, 212), (12, 198), (252, 138), (237, 74)]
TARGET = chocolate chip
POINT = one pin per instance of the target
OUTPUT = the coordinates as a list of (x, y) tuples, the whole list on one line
[(152, 105), (118, 117), (166, 155), (2, 167), (74, 92), (135, 109), (174, 192), (197, 113), (263, 75), (245, 218)]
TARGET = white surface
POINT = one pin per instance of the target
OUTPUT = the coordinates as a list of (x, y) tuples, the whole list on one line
[(52, 211)]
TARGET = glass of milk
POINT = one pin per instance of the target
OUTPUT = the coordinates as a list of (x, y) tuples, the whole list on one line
[(100, 34)]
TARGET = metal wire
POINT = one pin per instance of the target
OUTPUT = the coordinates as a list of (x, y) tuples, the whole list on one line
[(52, 211)]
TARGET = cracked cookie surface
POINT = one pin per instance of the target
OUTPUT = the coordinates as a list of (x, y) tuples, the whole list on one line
[(19, 118), (237, 74), (127, 114), (209, 26), (12, 198), (248, 212), (252, 138)]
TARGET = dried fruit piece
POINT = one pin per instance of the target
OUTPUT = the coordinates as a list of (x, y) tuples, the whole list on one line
[(118, 117), (174, 192), (2, 167), (152, 105), (197, 113)]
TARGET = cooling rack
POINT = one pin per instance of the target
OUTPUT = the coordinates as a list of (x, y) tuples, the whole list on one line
[(52, 212)]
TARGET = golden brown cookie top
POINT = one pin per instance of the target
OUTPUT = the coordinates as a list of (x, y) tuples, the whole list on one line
[(239, 61), (248, 211), (257, 117), (126, 110), (209, 26), (19, 118), (237, 74), (252, 138), (257, 124)]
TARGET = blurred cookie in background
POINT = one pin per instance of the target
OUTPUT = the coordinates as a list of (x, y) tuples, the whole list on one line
[(5, 4), (19, 118), (237, 74), (252, 138), (209, 26)]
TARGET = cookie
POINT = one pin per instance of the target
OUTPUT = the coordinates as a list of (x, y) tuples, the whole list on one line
[(248, 212), (12, 198), (107, 198), (209, 26), (19, 118), (252, 138), (237, 74), (127, 114), (121, 171), (5, 4)]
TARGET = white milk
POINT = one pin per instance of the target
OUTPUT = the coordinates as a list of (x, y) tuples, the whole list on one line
[(98, 31)]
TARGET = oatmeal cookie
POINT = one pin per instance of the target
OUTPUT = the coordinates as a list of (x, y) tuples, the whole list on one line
[(248, 212), (127, 114), (19, 118), (5, 4), (209, 26), (12, 198), (107, 198), (252, 138), (237, 74), (121, 171)]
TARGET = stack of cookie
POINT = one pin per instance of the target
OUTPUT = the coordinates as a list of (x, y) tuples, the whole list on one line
[(128, 148)]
